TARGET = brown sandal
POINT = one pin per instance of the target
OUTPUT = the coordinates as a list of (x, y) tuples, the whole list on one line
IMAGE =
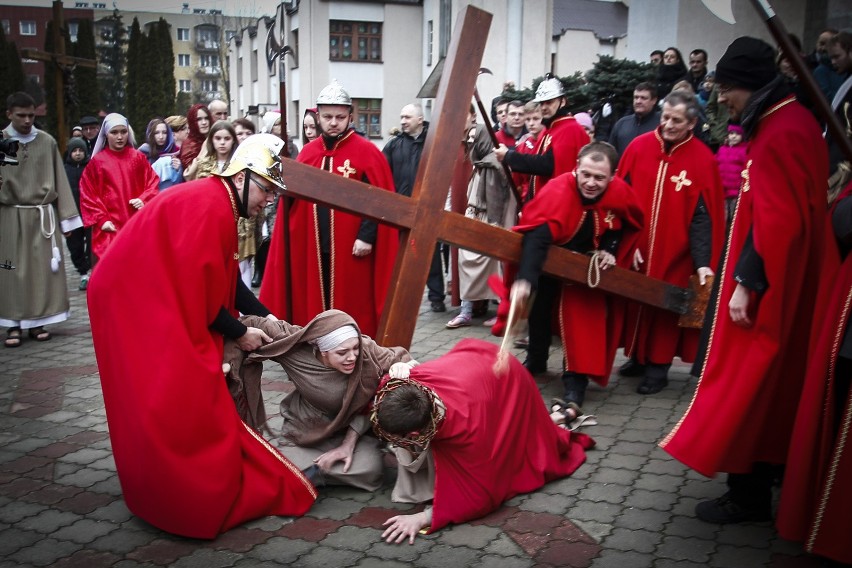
[(39, 334), (13, 337)]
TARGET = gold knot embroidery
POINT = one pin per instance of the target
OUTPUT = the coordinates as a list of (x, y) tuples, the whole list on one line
[(681, 180)]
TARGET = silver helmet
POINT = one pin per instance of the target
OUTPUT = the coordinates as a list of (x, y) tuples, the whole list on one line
[(334, 94), (549, 89)]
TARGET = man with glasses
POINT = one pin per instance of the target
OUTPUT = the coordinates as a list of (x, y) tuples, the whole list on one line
[(91, 128), (161, 302)]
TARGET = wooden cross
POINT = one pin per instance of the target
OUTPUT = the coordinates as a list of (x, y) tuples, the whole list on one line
[(59, 60), (422, 220), (680, 180)]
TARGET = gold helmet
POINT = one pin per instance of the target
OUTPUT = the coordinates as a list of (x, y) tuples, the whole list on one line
[(258, 153)]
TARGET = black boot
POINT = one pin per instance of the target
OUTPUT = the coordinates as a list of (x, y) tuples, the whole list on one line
[(656, 378), (632, 368), (260, 263), (575, 387)]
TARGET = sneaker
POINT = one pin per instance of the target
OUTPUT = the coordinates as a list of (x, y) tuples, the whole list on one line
[(84, 282), (438, 306), (724, 511), (461, 320)]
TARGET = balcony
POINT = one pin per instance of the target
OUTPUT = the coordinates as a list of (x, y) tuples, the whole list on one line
[(207, 45), (208, 72)]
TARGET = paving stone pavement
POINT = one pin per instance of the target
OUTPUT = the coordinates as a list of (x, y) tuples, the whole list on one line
[(629, 506)]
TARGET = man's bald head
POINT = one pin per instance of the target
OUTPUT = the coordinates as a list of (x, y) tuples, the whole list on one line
[(411, 119), (219, 110)]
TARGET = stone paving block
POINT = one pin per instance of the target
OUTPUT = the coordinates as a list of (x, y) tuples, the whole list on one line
[(685, 506), (619, 559), (332, 508), (596, 531), (616, 461), (643, 499), (739, 557), (122, 541), (208, 559), (667, 563), (600, 512), (84, 531), (310, 529), (372, 562), (348, 493), (282, 550), (62, 417), (88, 559), (401, 552), (611, 493), (632, 518), (24, 445), (466, 535), (354, 538), (86, 456), (109, 486), (85, 502), (16, 538), (567, 486), (625, 477), (85, 477), (690, 526), (269, 524), (701, 489), (321, 557), (494, 561), (45, 553), (757, 535), (48, 521), (655, 482), (106, 463), (13, 512), (631, 539), (548, 503), (574, 554), (441, 556), (691, 549), (503, 545), (164, 551)]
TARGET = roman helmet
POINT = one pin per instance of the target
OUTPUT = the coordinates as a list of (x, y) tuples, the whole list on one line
[(260, 154), (550, 88), (334, 94)]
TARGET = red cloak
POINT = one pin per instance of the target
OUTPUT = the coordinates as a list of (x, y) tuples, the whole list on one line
[(358, 284), (186, 462), (497, 439), (109, 182), (816, 498), (668, 185), (588, 326), (566, 138), (746, 399)]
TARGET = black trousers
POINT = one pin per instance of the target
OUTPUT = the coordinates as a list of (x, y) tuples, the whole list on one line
[(79, 245), (541, 319), (435, 281), (754, 490)]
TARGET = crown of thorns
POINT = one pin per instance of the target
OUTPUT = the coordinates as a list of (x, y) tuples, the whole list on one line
[(415, 442)]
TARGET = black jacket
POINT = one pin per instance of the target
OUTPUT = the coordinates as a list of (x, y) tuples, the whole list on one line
[(403, 156)]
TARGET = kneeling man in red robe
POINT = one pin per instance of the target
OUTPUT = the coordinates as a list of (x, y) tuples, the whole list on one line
[(161, 301), (469, 438)]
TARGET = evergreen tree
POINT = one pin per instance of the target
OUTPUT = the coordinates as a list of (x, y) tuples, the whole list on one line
[(112, 59), (166, 69), (137, 96), (612, 80), (11, 70), (86, 78)]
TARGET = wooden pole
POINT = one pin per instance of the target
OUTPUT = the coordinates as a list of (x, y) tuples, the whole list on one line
[(59, 78)]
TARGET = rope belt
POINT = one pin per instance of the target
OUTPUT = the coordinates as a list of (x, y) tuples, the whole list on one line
[(47, 224)]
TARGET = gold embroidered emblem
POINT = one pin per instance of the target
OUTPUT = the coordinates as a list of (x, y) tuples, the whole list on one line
[(681, 180), (346, 170), (746, 177), (609, 218)]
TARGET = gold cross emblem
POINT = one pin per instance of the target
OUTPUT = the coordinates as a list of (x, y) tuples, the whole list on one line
[(346, 170), (681, 180), (746, 179), (609, 218)]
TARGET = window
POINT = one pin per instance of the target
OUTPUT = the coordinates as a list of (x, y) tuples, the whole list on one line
[(253, 68), (209, 85), (368, 116), (183, 60), (28, 28), (355, 41), (430, 37), (183, 34), (73, 27), (7, 27), (229, 34), (210, 61), (185, 85)]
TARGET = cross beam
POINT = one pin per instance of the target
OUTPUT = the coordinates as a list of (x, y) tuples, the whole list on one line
[(422, 220)]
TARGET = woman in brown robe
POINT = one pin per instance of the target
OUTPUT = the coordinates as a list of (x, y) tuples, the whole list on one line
[(336, 372)]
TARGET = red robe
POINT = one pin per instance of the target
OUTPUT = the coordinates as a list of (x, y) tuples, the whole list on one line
[(746, 399), (816, 498), (526, 145), (109, 182), (668, 185), (358, 284), (186, 462), (565, 137), (588, 327), (497, 439)]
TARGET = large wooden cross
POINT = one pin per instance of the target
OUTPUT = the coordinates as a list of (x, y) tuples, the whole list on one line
[(60, 62), (422, 220)]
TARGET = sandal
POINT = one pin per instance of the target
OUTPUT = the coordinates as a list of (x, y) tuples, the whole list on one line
[(569, 410), (13, 337), (461, 320), (39, 334)]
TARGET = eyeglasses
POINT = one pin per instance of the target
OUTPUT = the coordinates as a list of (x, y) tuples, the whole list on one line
[(274, 190)]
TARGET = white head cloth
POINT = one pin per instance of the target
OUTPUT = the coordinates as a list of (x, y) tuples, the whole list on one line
[(334, 338), (111, 121)]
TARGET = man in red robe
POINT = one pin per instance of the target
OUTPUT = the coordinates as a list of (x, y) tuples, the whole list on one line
[(556, 154), (816, 499), (489, 434), (337, 260), (677, 181), (161, 303), (590, 212), (741, 418)]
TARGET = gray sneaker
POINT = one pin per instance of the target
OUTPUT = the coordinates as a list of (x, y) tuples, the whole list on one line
[(84, 282)]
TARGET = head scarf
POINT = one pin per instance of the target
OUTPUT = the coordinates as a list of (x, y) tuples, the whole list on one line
[(334, 338), (169, 146), (111, 121), (269, 120)]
